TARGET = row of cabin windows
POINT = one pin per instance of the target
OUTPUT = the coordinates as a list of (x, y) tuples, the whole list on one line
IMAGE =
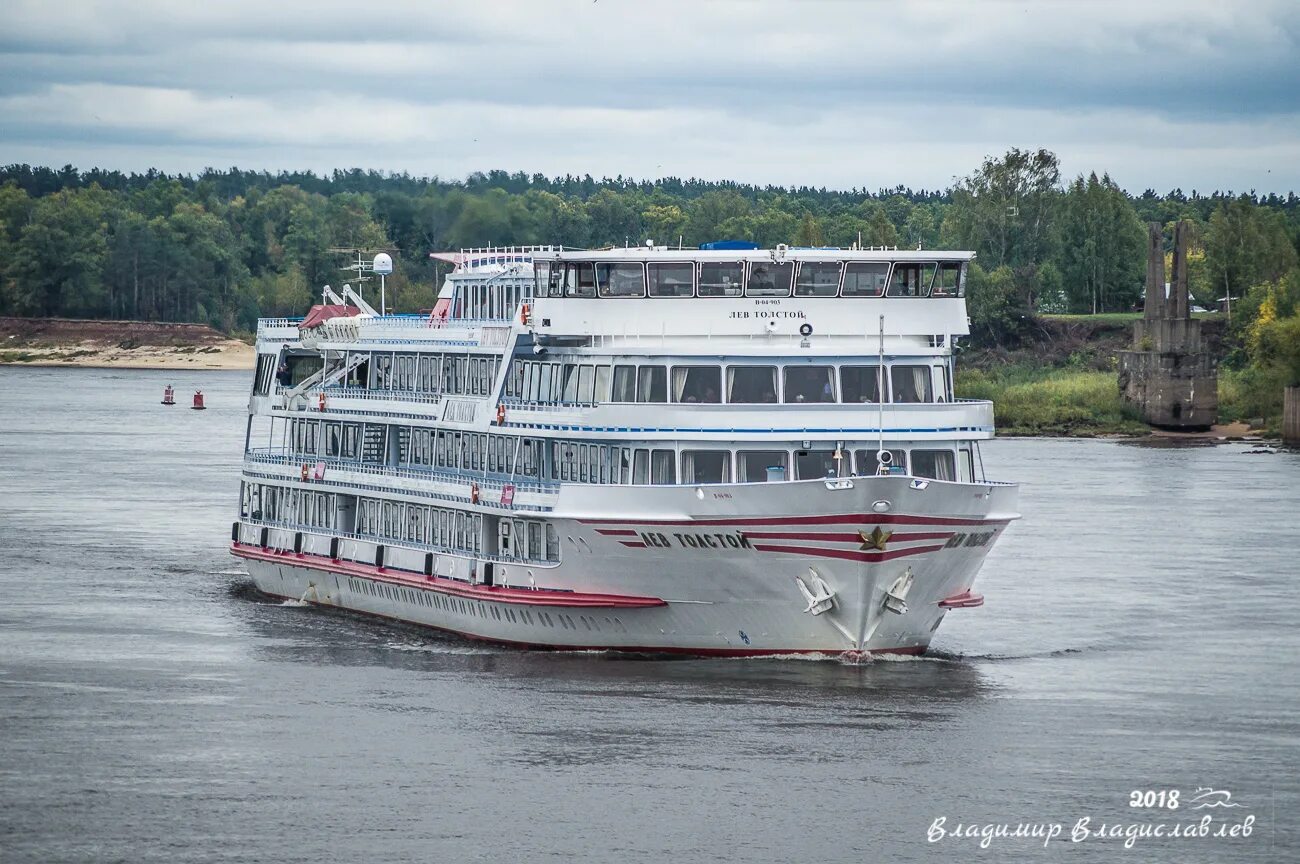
[(456, 530), (580, 462), (470, 451), (496, 301), (527, 540), (750, 279), (288, 506), (535, 381), (583, 462), (459, 374), (416, 447)]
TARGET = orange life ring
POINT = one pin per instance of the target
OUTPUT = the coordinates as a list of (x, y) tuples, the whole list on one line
[(501, 415), (320, 401), (525, 313), (306, 472), (473, 492)]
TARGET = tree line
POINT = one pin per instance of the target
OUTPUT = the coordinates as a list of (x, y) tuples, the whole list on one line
[(223, 247)]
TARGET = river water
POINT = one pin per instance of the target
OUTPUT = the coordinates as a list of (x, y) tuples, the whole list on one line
[(1141, 633)]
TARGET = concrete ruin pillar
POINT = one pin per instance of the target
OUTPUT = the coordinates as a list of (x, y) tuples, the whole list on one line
[(1291, 416), (1178, 295), (1168, 376), (1155, 298)]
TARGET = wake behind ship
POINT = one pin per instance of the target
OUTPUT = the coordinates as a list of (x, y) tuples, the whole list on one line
[(715, 451)]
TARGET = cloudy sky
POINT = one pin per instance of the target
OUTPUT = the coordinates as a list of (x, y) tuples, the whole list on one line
[(1191, 94)]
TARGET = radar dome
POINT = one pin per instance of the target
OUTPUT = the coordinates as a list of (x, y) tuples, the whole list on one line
[(383, 264)]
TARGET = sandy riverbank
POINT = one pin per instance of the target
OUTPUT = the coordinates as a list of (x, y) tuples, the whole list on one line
[(119, 344)]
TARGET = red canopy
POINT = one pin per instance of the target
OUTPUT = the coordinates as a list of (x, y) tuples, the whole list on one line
[(319, 314)]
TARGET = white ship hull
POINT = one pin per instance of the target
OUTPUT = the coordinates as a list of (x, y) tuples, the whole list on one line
[(741, 569)]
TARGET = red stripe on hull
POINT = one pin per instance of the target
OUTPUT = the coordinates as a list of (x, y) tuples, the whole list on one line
[(848, 554), (406, 579), (616, 532), (640, 649), (848, 518), (854, 537), (633, 544)]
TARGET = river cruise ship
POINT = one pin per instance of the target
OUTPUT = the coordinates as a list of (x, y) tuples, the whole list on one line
[(718, 451)]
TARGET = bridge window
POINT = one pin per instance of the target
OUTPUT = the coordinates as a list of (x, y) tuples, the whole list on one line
[(860, 383), (911, 280), (697, 384), (580, 279), (586, 384), (751, 384), (818, 279), (865, 278), (753, 466), (672, 280), (769, 279), (620, 280), (809, 384), (951, 281), (652, 384), (706, 466), (936, 464), (721, 279), (867, 465), (542, 276), (911, 383)]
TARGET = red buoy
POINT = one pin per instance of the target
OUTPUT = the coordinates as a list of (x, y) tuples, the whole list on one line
[(169, 395), (198, 401)]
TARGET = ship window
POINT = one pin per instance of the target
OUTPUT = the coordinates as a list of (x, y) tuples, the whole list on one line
[(818, 279), (697, 384), (860, 383), (671, 280), (868, 465), (815, 464), (542, 276), (620, 280), (625, 465), (865, 278), (570, 388), (661, 468), (752, 465), (951, 281), (706, 466), (911, 383), (751, 384), (580, 279), (641, 467), (721, 279), (809, 384), (769, 279), (602, 384), (936, 464), (967, 465), (586, 384), (911, 280), (652, 384), (624, 384)]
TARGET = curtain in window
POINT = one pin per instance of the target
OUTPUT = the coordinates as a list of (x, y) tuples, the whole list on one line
[(921, 381)]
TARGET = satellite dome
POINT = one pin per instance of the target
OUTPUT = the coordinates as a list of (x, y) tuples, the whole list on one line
[(383, 264)]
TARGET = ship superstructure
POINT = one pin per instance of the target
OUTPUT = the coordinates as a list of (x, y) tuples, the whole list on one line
[(715, 451)]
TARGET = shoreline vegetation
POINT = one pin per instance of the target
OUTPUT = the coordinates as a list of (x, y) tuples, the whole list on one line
[(1060, 264)]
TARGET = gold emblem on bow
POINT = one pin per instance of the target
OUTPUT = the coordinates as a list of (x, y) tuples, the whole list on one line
[(875, 540)]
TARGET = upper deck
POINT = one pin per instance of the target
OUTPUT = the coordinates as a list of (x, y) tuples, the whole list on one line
[(716, 294)]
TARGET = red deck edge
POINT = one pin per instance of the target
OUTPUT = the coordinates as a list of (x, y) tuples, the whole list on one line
[(619, 649), (407, 579)]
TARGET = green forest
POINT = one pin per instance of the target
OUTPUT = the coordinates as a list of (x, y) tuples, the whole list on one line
[(225, 247)]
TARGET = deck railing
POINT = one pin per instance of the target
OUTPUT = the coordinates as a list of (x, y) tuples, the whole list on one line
[(284, 456)]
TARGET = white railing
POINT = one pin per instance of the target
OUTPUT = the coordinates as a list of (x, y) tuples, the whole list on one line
[(391, 395), (283, 456)]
